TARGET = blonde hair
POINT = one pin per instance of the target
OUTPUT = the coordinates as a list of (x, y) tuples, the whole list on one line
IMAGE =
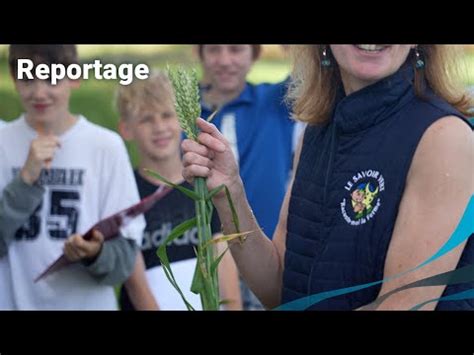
[(312, 92), (156, 90)]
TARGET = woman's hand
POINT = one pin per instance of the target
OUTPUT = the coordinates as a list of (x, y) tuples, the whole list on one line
[(211, 158)]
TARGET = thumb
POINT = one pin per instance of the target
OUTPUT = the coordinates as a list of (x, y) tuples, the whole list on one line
[(43, 130), (97, 236)]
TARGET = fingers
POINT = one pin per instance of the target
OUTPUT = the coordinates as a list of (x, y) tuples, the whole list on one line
[(210, 128), (46, 155), (192, 171), (206, 147), (195, 164), (212, 142), (71, 250), (41, 154), (48, 163), (48, 141), (77, 248), (210, 136), (45, 132), (43, 149), (191, 158), (209, 155), (97, 237), (189, 145)]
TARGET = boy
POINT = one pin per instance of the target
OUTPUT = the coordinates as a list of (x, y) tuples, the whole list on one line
[(148, 117), (59, 175)]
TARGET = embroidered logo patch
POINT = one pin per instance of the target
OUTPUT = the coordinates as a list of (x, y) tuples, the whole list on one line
[(363, 197)]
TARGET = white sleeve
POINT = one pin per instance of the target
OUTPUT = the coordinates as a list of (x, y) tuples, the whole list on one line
[(120, 189), (298, 132)]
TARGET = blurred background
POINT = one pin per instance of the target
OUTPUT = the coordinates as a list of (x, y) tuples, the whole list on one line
[(95, 98)]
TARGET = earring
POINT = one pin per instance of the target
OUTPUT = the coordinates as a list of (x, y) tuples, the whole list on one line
[(419, 60), (325, 61)]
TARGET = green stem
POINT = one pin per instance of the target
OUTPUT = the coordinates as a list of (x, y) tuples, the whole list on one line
[(210, 298)]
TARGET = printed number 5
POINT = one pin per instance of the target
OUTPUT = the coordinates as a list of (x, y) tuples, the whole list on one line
[(61, 221), (63, 215)]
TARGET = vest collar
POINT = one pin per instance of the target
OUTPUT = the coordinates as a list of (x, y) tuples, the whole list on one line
[(374, 103)]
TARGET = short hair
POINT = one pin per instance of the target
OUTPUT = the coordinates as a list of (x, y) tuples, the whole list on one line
[(256, 50), (156, 90), (65, 54)]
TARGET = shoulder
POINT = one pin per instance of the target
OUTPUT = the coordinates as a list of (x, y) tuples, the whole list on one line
[(9, 131), (100, 136), (271, 101), (446, 148), (449, 134), (272, 91)]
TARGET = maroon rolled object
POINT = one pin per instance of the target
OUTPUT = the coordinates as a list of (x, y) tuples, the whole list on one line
[(110, 227)]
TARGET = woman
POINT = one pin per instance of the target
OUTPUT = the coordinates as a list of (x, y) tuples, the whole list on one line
[(382, 179)]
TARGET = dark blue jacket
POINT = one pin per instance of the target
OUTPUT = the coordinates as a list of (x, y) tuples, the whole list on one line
[(347, 191)]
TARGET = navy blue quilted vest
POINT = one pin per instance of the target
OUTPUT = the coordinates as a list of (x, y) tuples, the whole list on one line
[(348, 186)]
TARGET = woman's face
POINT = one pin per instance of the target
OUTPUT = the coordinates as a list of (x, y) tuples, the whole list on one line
[(364, 64)]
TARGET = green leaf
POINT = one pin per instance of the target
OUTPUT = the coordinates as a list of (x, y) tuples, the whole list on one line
[(235, 218), (226, 238), (171, 279), (214, 191), (169, 275), (216, 262), (178, 231), (197, 286), (187, 192), (163, 255), (210, 210)]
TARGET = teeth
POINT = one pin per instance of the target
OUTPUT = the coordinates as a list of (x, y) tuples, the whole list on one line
[(370, 47)]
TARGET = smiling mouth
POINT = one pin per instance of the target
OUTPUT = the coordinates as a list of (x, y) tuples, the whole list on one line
[(40, 106), (161, 141), (225, 75), (371, 47)]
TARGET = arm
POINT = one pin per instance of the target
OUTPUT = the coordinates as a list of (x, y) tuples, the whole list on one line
[(137, 288), (259, 260), (22, 195), (110, 262), (18, 201), (439, 184)]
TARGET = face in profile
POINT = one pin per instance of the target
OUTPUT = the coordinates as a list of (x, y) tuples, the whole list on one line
[(364, 64), (226, 66)]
